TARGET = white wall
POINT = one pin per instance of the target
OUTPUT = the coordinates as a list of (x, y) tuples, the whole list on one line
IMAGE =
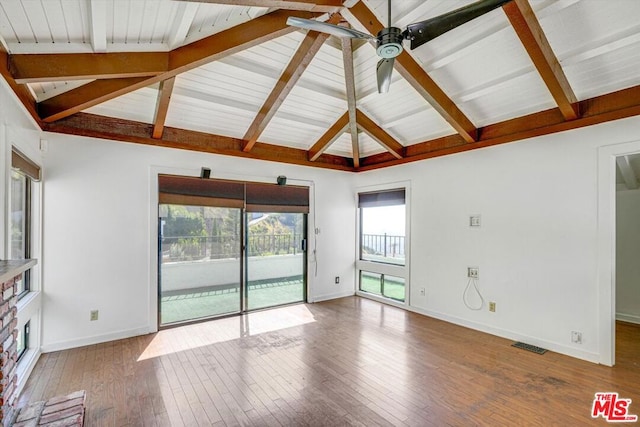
[(537, 248), (18, 130), (100, 232), (628, 256)]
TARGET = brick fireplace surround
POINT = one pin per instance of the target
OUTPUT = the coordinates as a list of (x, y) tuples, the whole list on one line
[(10, 275)]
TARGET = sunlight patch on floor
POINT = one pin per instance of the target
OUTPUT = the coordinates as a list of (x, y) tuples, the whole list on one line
[(189, 337)]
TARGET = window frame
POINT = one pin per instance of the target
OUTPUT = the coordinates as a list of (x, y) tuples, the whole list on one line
[(26, 331), (27, 225), (383, 268)]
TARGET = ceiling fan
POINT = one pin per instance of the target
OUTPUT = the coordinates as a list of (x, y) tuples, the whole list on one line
[(389, 40)]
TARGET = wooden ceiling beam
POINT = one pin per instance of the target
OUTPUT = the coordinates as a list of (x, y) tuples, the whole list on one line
[(379, 135), (605, 108), (527, 27), (85, 96), (349, 77), (308, 5), (185, 58), (162, 107), (299, 62), (33, 68), (22, 91), (420, 80), (95, 126), (329, 137), (613, 106)]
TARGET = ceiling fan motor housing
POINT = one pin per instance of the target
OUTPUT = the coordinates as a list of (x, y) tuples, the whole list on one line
[(389, 42)]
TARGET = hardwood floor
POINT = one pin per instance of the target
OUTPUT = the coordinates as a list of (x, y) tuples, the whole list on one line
[(345, 362)]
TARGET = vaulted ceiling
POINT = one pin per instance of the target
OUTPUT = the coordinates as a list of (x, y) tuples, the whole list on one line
[(231, 77)]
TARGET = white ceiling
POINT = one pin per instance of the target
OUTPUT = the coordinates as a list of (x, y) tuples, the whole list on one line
[(482, 65)]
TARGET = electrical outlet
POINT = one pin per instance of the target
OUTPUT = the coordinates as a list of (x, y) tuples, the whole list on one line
[(473, 272), (337, 280), (93, 315), (474, 221), (492, 306), (423, 291), (576, 337)]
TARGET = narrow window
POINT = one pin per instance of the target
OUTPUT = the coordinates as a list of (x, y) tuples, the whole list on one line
[(23, 340), (23, 173), (382, 244)]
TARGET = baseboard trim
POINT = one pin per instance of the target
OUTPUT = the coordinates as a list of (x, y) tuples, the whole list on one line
[(97, 339), (327, 297), (25, 367), (511, 335), (630, 318)]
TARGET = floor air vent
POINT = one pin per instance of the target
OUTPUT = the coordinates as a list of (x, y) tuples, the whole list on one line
[(529, 347)]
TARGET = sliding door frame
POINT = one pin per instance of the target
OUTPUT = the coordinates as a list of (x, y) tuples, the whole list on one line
[(153, 310)]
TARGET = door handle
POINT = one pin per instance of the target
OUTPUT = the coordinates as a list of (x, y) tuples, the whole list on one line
[(303, 245)]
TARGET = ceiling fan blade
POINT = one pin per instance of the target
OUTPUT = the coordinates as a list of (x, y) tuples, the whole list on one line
[(323, 27), (384, 72), (421, 32)]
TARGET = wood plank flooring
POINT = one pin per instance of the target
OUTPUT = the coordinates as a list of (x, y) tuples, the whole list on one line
[(350, 361)]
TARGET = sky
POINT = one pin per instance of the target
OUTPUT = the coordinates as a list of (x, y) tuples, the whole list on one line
[(384, 219)]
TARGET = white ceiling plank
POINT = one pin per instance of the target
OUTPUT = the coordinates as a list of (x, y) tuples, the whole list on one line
[(393, 121), (615, 41), (551, 7), (248, 65), (98, 25), (240, 105), (486, 88), (182, 23), (214, 99), (630, 178)]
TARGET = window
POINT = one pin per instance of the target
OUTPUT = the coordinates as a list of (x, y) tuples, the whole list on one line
[(382, 226), (382, 285), (20, 214), (23, 173), (23, 340), (382, 260)]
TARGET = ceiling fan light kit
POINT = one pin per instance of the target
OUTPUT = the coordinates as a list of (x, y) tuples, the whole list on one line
[(389, 40)]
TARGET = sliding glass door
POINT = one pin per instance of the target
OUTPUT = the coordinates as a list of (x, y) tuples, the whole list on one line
[(200, 262), (275, 269), (228, 247)]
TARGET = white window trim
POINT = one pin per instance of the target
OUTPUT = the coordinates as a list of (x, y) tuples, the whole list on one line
[(376, 267)]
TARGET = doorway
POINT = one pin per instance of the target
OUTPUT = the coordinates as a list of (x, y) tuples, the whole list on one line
[(627, 250), (222, 252), (606, 237)]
